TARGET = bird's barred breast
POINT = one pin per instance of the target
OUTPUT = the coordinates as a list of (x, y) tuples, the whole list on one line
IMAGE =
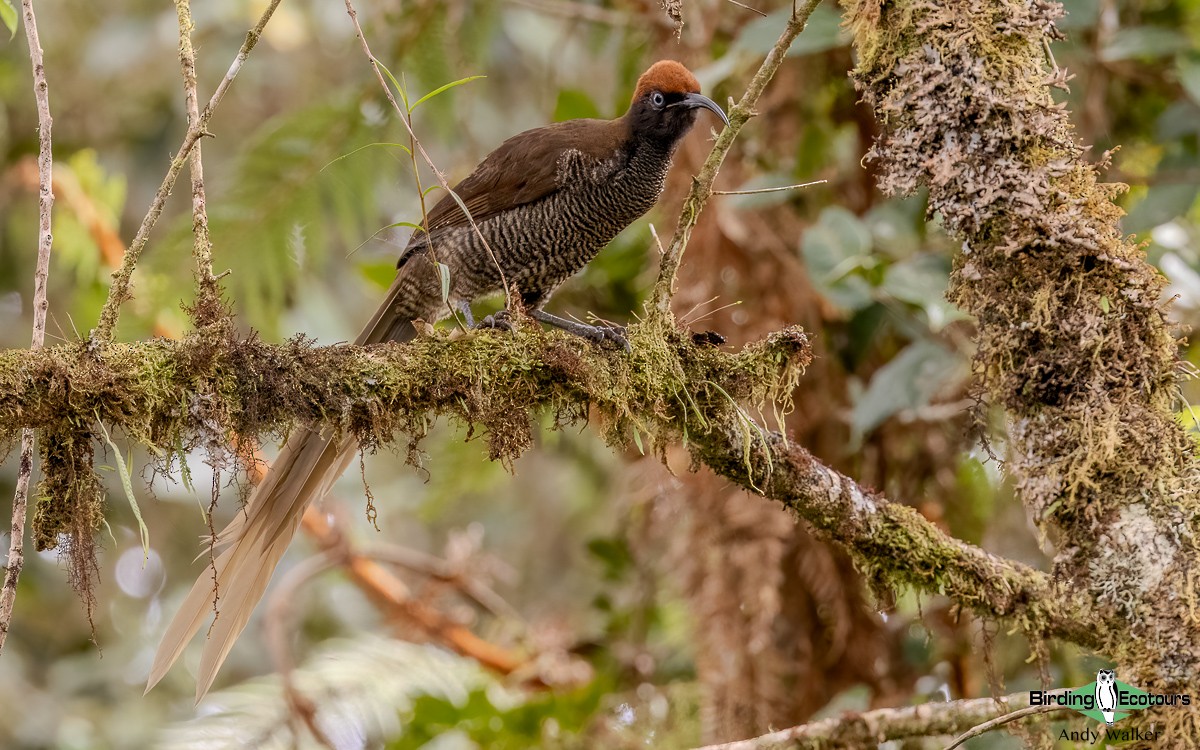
[(541, 244)]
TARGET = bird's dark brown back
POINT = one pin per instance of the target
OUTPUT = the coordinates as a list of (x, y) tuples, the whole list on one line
[(524, 169)]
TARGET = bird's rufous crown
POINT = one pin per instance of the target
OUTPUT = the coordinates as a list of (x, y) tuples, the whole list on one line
[(669, 77)]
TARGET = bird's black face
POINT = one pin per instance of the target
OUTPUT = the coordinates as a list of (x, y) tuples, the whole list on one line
[(668, 116)]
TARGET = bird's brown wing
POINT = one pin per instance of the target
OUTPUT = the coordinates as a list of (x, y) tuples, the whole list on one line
[(523, 169)]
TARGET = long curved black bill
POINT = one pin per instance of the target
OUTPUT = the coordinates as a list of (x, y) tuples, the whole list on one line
[(694, 101)]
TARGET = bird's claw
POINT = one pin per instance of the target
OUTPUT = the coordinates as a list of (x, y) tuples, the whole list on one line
[(500, 320), (615, 334)]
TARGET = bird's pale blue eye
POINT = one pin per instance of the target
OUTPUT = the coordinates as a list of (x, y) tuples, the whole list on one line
[(657, 99)]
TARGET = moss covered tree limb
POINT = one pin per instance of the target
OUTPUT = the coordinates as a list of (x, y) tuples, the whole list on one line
[(893, 544), (1073, 338), (159, 393)]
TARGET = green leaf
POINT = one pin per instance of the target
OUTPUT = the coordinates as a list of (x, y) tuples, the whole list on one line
[(1189, 76), (425, 193), (360, 148), (399, 88), (921, 281), (1080, 14), (127, 485), (440, 89), (835, 250), (1104, 303), (8, 14), (1143, 43), (637, 439), (909, 381), (466, 211), (381, 274), (444, 272), (614, 553), (968, 516), (1179, 119), (408, 224), (185, 473), (1161, 204)]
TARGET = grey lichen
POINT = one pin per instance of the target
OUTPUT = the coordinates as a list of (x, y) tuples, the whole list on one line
[(1073, 337)]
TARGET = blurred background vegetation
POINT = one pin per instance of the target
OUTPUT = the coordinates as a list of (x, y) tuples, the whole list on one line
[(638, 607)]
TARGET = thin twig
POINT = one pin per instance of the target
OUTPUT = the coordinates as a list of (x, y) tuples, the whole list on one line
[(886, 724), (118, 293), (441, 571), (208, 293), (747, 7), (441, 178), (702, 183), (41, 93), (770, 189), (999, 721)]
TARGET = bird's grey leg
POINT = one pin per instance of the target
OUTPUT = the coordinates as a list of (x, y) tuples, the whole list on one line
[(499, 320), (464, 307), (591, 333)]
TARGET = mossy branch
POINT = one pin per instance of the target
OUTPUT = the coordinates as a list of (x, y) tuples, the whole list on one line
[(1074, 343), (893, 544), (670, 389)]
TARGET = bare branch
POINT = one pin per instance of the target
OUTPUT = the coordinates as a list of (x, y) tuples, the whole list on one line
[(41, 93), (747, 7), (118, 293), (886, 724), (702, 183), (208, 293), (590, 13)]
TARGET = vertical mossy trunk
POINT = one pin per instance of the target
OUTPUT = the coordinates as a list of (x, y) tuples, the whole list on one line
[(1073, 339)]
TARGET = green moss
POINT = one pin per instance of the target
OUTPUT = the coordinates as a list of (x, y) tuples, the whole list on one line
[(217, 392)]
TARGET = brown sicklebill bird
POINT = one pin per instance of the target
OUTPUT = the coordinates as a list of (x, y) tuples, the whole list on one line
[(543, 203)]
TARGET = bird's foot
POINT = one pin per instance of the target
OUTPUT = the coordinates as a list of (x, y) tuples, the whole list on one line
[(600, 334), (595, 334), (500, 320)]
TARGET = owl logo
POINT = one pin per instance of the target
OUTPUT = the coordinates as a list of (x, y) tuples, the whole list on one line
[(1106, 694)]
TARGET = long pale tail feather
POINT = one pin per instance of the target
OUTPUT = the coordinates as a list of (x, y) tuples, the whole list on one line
[(259, 549), (240, 573), (256, 539)]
